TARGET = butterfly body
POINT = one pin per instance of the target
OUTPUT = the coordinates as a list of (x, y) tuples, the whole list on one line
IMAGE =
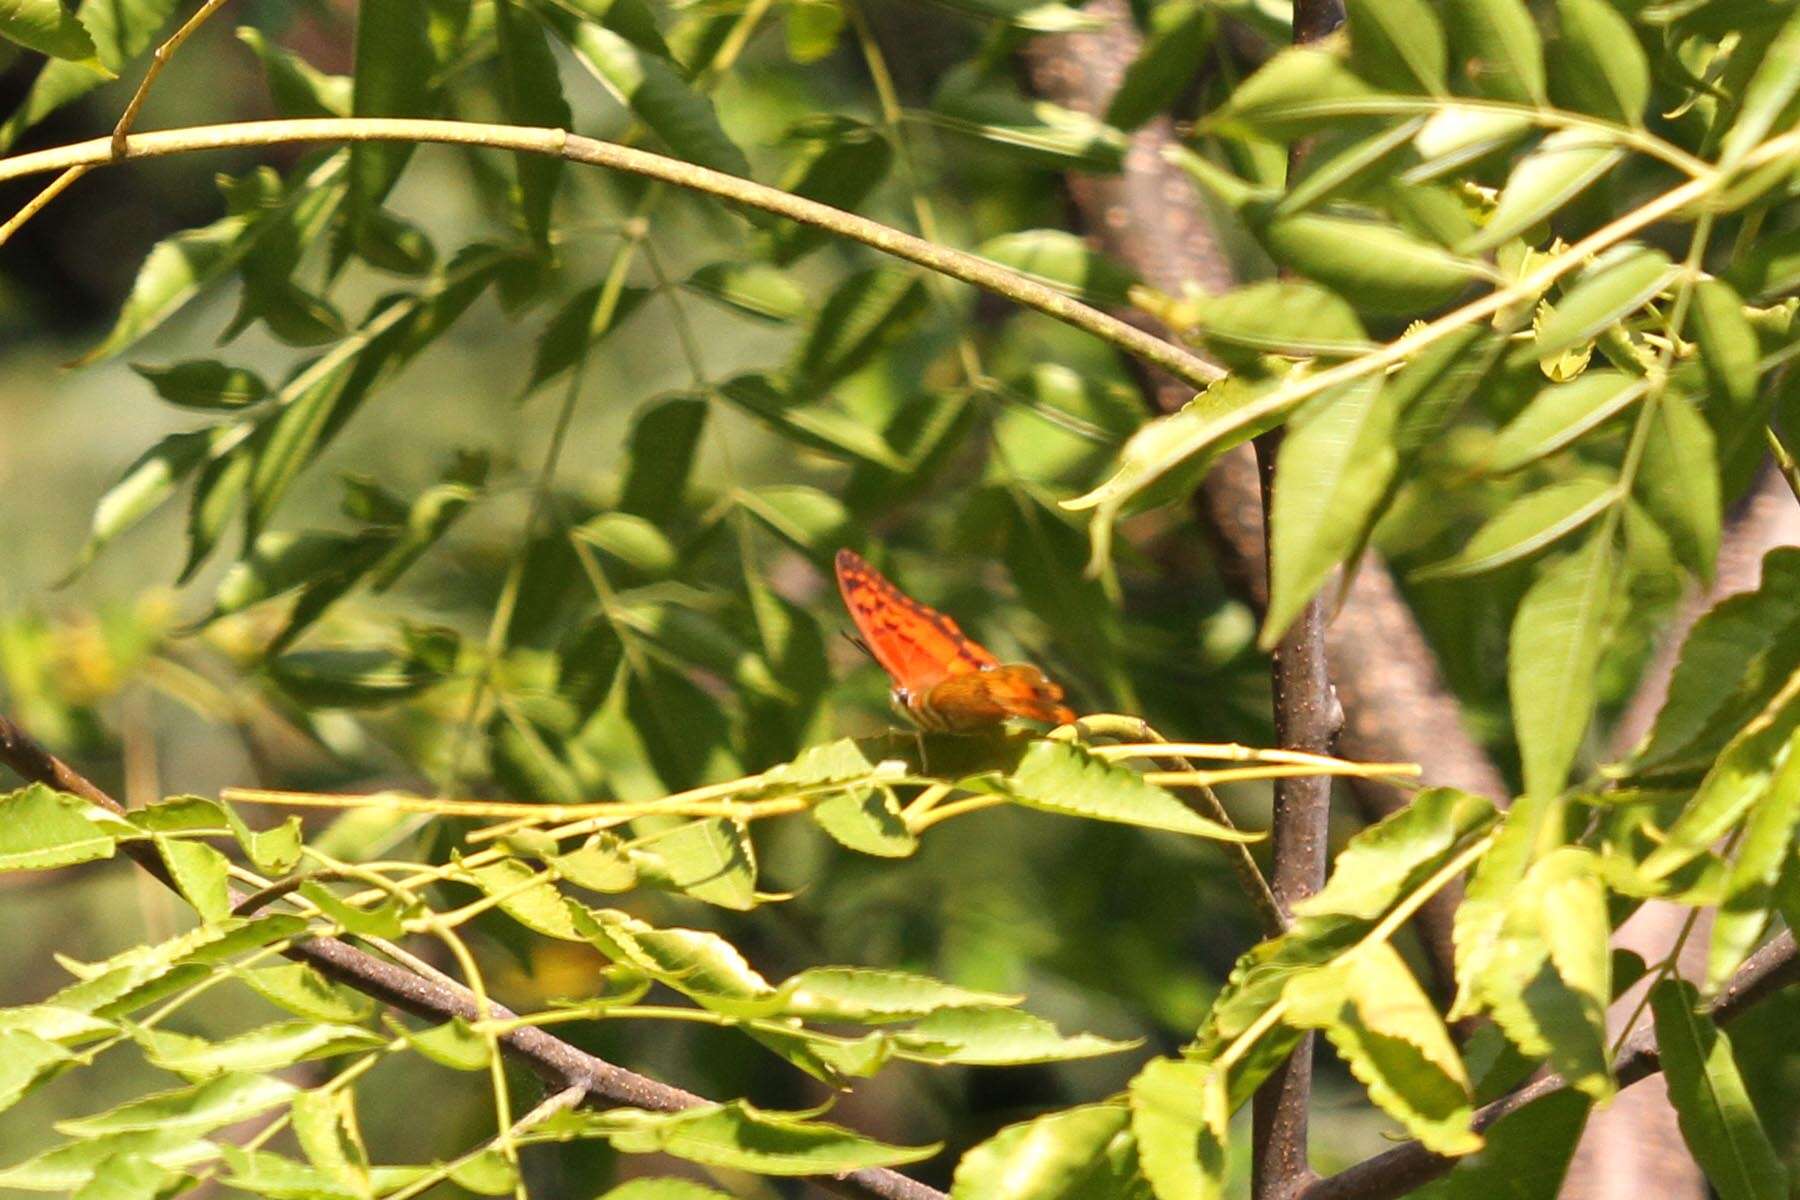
[(942, 679)]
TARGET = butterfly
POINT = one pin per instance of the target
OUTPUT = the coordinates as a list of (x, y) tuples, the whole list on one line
[(943, 679)]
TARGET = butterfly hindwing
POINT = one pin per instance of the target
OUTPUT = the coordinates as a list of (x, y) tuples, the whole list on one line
[(989, 696)]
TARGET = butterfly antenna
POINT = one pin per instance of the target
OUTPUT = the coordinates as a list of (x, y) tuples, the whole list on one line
[(858, 643)]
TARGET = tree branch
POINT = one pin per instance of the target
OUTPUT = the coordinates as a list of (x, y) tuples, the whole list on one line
[(559, 143), (1404, 1168), (557, 1062)]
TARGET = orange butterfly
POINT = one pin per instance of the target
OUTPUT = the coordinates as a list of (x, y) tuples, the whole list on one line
[(942, 679)]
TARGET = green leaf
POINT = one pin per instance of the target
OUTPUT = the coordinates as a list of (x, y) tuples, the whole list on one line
[(1738, 779), (1734, 659), (991, 109), (1294, 93), (1387, 860), (1351, 162), (630, 539), (1174, 46), (1527, 526), (617, 44), (817, 424), (1557, 636), (531, 95), (1718, 1120), (1274, 317), (866, 820), (862, 315), (487, 1174), (148, 483), (744, 1138), (73, 1165), (297, 88), (1181, 1117), (1063, 261), (263, 1174), (304, 992), (1564, 164), (696, 963), (452, 1044), (1599, 63), (1078, 1154), (996, 1036), (813, 28), (843, 161), (1559, 415), (224, 1100), (711, 860), (580, 323), (268, 1048), (1526, 1156), (217, 494), (662, 1189), (864, 995), (25, 1059), (205, 383), (1616, 286), (1498, 46), (1331, 477), (812, 520), (120, 30), (383, 921), (1430, 389), (49, 28), (1061, 777), (274, 851), (142, 973), (348, 678), (759, 289), (660, 450), (1728, 344), (1385, 1027), (199, 871), (528, 896), (1380, 268), (41, 828), (1762, 852), (325, 1125), (1767, 95), (392, 79), (1678, 482), (1397, 44)]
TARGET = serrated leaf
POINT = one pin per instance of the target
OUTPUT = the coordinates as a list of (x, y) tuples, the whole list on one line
[(225, 1100), (528, 896), (1397, 44), (205, 383), (1559, 415), (1077, 1154), (199, 872), (1389, 859), (1678, 482), (1061, 777), (866, 820), (1735, 658), (1763, 850), (1557, 636), (268, 1048), (1063, 261), (26, 1059), (72, 1165), (304, 992), (47, 27), (297, 88), (865, 995), (711, 860), (662, 1189), (1527, 526), (1331, 477), (996, 1036), (1610, 290), (744, 1138), (1561, 167), (452, 1044), (325, 1125), (1718, 1120), (1380, 1020), (1175, 44), (382, 921), (120, 31), (1599, 62), (41, 828), (1497, 44), (274, 1177), (699, 964), (582, 321), (1180, 1115)]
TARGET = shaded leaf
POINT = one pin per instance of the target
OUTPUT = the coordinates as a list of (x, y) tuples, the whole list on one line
[(1557, 637)]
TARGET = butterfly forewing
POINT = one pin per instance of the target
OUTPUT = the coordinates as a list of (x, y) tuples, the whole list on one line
[(918, 646), (945, 679)]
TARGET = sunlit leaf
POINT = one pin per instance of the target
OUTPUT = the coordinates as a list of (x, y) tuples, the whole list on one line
[(1557, 636)]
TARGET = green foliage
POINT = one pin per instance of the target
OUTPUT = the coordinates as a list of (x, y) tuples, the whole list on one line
[(519, 482)]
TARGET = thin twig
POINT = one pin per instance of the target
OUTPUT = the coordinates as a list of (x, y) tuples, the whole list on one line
[(553, 1059)]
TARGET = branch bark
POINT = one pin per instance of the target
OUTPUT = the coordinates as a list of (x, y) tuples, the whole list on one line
[(558, 1063), (1404, 1168), (1150, 217)]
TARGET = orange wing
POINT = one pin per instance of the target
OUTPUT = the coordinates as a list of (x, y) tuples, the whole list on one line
[(918, 646), (944, 678)]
